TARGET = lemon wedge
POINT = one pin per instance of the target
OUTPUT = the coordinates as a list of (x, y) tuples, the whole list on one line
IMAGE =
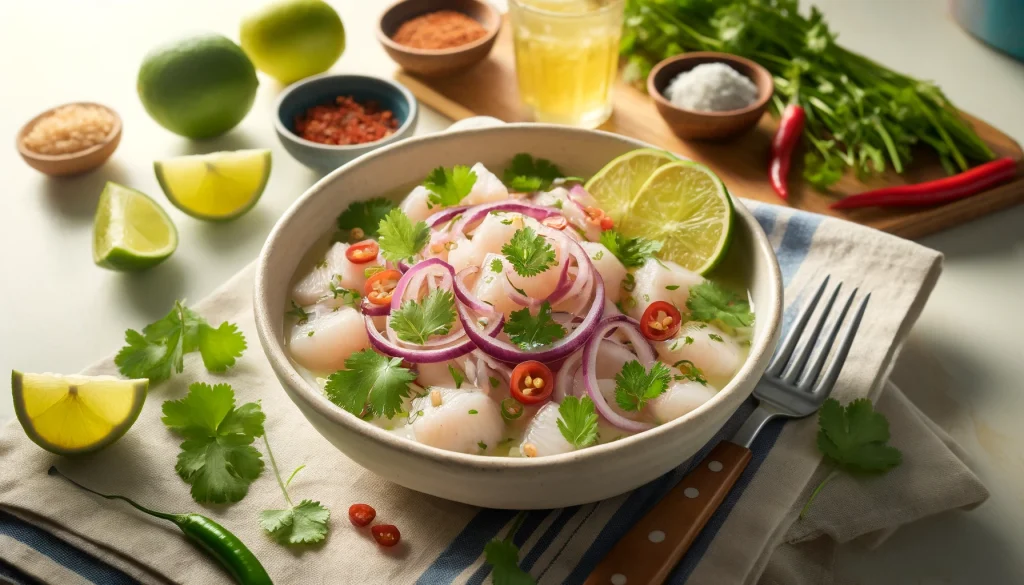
[(218, 186)]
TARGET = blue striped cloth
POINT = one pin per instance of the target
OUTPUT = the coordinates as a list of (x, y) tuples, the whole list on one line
[(793, 233)]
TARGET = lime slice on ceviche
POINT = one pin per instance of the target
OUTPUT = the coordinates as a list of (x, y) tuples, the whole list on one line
[(71, 415), (218, 186), (617, 183), (131, 231), (686, 207)]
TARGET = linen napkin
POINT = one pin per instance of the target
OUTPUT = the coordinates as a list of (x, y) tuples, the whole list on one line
[(56, 534)]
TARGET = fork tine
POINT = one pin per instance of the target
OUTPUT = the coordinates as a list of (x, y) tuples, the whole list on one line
[(780, 359), (811, 373), (803, 350), (826, 384)]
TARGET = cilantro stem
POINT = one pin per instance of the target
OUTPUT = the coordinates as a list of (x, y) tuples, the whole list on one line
[(294, 473), (814, 494), (277, 474), (516, 524)]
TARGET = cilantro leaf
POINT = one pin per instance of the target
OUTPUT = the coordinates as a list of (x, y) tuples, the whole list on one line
[(302, 524), (529, 253), (300, 314), (577, 421), (370, 378), (365, 216), (348, 296), (709, 302), (632, 252), (417, 321), (634, 385), (158, 352), (458, 378), (497, 266), (530, 332), (217, 457), (503, 556), (449, 186), (525, 173), (399, 238), (854, 440)]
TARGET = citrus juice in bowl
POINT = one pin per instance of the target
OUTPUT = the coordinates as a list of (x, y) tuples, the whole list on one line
[(566, 57)]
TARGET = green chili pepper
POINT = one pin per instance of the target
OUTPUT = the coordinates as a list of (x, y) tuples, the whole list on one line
[(216, 540)]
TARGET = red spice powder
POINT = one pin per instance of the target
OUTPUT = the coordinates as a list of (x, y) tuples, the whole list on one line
[(443, 29), (346, 121)]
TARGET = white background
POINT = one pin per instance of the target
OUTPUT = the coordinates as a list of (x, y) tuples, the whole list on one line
[(964, 362)]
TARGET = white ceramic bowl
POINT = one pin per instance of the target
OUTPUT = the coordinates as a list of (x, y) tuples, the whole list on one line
[(574, 478)]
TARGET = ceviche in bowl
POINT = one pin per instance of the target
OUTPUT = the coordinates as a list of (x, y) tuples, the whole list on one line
[(522, 316)]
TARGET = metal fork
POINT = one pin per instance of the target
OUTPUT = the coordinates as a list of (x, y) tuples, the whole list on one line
[(790, 388)]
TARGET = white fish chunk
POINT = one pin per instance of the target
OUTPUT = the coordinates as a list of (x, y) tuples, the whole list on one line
[(336, 268), (465, 421), (678, 399), (329, 337), (608, 266), (489, 288), (494, 231), (416, 205), (652, 282), (717, 354), (487, 188), (543, 434)]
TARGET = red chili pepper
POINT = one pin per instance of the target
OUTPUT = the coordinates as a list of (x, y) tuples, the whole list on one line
[(361, 514), (791, 125), (386, 534), (943, 190)]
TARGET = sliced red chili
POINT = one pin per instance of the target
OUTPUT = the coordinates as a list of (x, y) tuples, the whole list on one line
[(362, 252), (532, 382), (386, 534), (660, 321), (557, 222), (361, 514), (380, 286)]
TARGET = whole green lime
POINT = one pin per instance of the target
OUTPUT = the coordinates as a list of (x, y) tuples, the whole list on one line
[(199, 86), (293, 39)]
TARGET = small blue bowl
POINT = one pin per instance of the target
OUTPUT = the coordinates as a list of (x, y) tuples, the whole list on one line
[(323, 89)]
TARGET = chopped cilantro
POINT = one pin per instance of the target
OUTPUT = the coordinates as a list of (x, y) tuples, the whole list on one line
[(629, 283), (493, 381), (296, 311), (530, 332), (632, 252), (496, 265), (457, 376), (672, 287), (401, 239), (473, 411), (449, 186), (634, 385), (481, 444), (529, 253), (347, 296), (715, 337), (689, 371)]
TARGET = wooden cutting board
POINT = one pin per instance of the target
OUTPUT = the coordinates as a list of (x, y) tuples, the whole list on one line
[(489, 89)]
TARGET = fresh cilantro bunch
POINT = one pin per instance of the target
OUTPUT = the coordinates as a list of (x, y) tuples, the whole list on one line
[(855, 440), (449, 187), (529, 331), (528, 252), (635, 386), (503, 556), (159, 350), (370, 381), (305, 523), (365, 216), (417, 321), (399, 238), (217, 457), (577, 421), (632, 252), (527, 174), (709, 302)]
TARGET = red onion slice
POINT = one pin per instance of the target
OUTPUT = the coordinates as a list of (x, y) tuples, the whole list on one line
[(373, 310), (478, 212), (644, 353), (564, 378), (445, 215), (466, 297)]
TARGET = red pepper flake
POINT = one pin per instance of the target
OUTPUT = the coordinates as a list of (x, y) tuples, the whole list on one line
[(346, 121)]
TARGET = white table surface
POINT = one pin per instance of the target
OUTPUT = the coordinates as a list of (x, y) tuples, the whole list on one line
[(964, 361)]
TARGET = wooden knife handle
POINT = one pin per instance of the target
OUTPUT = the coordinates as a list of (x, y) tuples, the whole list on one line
[(653, 547)]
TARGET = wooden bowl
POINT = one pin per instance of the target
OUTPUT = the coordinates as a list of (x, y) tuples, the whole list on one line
[(694, 125), (442, 62), (72, 163)]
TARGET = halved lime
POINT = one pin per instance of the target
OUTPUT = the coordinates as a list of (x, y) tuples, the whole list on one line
[(218, 186), (617, 184), (686, 206), (130, 230), (70, 415)]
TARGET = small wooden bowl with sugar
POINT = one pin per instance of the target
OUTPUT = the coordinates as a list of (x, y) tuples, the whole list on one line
[(70, 139), (694, 124)]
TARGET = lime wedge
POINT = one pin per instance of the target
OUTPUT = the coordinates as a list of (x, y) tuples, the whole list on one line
[(617, 184), (686, 206), (130, 230), (70, 415), (217, 186)]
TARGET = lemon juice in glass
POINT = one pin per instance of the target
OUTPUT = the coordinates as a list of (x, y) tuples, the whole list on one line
[(566, 57)]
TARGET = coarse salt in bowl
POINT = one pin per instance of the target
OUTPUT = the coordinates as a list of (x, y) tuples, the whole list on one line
[(712, 87)]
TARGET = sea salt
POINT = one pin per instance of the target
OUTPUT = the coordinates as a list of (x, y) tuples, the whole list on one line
[(711, 87)]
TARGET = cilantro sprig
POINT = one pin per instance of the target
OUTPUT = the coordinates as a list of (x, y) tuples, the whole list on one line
[(635, 385), (503, 556), (158, 351), (530, 331), (371, 382), (365, 216), (710, 302), (417, 321), (577, 421), (528, 252), (632, 252), (855, 440), (399, 238), (305, 523), (449, 187), (526, 173), (217, 457)]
